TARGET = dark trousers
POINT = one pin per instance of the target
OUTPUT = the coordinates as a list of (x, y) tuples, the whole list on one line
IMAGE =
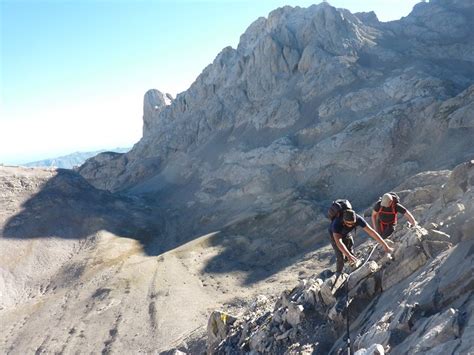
[(385, 230), (349, 243)]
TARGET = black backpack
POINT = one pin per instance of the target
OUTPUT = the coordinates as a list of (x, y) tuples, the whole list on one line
[(396, 198), (337, 207)]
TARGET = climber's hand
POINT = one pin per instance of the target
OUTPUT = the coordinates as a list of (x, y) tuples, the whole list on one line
[(353, 260), (388, 249)]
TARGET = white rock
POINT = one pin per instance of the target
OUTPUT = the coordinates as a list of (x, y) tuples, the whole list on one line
[(361, 273), (294, 314), (374, 349)]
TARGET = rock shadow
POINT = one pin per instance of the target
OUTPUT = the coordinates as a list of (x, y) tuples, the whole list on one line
[(67, 206), (260, 244), (266, 243)]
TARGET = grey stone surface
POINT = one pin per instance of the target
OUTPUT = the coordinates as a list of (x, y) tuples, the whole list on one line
[(419, 302), (315, 99), (218, 327)]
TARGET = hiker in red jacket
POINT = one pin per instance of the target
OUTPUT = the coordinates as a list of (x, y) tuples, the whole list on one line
[(385, 214)]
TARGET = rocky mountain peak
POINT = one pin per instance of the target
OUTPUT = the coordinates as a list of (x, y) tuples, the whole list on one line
[(439, 19), (368, 17), (323, 25), (153, 103), (334, 87)]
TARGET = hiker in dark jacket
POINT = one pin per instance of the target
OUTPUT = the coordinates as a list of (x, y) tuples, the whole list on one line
[(342, 240), (385, 213)]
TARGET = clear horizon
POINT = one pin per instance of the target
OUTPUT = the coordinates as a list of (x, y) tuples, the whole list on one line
[(73, 74)]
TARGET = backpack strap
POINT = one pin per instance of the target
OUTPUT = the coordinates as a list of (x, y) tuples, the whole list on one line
[(393, 206)]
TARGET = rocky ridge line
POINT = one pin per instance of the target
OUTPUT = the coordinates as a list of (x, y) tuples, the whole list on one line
[(313, 103)]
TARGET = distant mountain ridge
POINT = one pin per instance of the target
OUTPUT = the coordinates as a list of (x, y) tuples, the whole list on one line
[(72, 160)]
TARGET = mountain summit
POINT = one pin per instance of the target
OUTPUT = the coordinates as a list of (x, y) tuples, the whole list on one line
[(314, 102)]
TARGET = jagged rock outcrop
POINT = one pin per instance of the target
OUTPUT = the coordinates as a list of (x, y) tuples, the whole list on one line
[(312, 103), (95, 171), (153, 103), (419, 302), (218, 327)]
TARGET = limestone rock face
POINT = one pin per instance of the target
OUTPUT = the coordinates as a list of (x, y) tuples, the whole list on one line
[(417, 302), (153, 103), (97, 175), (316, 104), (313, 102), (218, 327)]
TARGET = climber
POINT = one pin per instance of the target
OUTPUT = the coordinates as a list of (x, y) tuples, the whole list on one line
[(384, 214), (342, 240)]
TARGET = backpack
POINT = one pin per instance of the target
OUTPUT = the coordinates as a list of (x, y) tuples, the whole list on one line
[(337, 207), (393, 212)]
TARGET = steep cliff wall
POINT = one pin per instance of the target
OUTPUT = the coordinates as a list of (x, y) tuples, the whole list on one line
[(421, 301), (313, 104)]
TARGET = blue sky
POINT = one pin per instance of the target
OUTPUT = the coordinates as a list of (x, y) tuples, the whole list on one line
[(73, 73)]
